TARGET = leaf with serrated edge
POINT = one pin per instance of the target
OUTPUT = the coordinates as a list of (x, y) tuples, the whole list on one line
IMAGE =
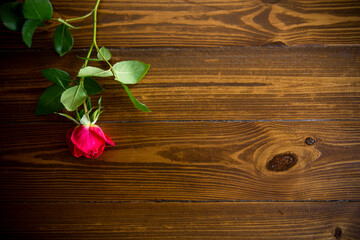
[(94, 72), (130, 72)]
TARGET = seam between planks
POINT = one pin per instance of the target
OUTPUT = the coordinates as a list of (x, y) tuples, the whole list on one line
[(193, 201), (199, 121), (7, 50)]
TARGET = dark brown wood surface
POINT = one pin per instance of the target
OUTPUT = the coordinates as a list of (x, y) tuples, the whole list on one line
[(202, 161), (240, 220), (204, 84), (180, 23), (254, 131)]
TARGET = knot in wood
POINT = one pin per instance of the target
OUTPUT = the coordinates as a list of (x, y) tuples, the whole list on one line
[(309, 141), (338, 233), (282, 162), (275, 44)]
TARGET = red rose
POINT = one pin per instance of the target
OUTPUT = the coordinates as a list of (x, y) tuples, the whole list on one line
[(87, 140)]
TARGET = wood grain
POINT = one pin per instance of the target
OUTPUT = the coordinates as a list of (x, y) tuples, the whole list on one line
[(273, 220), (203, 84), (184, 161), (242, 143), (206, 23)]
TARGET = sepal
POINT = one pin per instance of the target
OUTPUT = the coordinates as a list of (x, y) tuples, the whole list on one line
[(69, 117)]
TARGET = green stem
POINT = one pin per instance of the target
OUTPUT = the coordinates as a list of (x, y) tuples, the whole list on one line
[(91, 47), (136, 103), (85, 109), (79, 18), (95, 43), (95, 21), (94, 39), (89, 53), (86, 61), (94, 36), (75, 19), (94, 32)]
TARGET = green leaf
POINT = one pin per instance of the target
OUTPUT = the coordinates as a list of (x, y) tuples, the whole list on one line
[(136, 102), (59, 82), (88, 104), (78, 118), (73, 97), (11, 15), (92, 87), (63, 40), (57, 76), (95, 116), (130, 72), (37, 9), (105, 52), (28, 30), (94, 72), (81, 113), (67, 24), (49, 101)]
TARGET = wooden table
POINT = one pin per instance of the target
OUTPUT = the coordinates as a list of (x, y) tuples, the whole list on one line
[(254, 131)]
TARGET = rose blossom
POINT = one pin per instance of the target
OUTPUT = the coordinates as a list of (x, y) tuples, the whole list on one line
[(87, 140)]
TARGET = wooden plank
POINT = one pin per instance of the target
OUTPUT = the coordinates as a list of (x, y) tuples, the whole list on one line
[(185, 161), (192, 23), (240, 220), (204, 84)]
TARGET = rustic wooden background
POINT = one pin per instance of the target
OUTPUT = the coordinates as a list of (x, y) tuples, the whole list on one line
[(233, 87)]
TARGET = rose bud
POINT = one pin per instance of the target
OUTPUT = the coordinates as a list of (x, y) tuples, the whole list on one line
[(87, 140)]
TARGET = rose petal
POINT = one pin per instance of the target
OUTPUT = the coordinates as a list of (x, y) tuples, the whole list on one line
[(77, 152), (68, 140), (97, 153), (108, 140), (86, 141), (97, 130)]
